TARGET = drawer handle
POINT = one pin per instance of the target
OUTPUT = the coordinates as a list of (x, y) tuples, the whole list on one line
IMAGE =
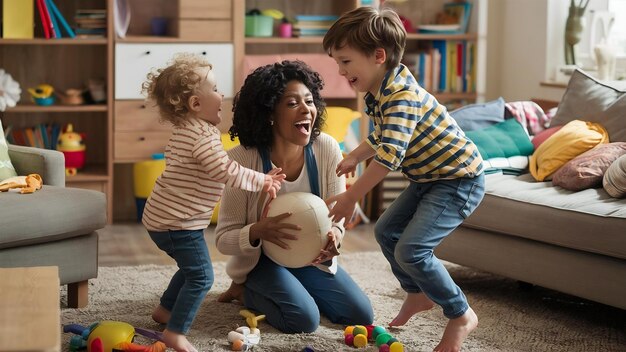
[(142, 138), (148, 52), (143, 106), (204, 53)]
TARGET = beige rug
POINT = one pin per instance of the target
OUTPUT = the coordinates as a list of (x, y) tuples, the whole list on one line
[(510, 319)]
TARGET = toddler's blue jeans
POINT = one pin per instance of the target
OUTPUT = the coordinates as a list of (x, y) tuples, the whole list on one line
[(191, 282), (292, 299), (415, 223)]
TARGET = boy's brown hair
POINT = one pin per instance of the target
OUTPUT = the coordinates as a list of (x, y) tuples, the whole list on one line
[(171, 87), (365, 29)]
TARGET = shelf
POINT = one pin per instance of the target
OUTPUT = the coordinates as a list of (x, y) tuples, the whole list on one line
[(433, 36), (61, 41), (278, 40), (147, 39), (89, 174), (57, 108), (455, 96), (553, 84)]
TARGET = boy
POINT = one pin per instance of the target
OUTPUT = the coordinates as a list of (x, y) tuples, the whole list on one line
[(185, 195), (415, 134)]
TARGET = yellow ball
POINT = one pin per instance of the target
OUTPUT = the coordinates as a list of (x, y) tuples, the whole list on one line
[(360, 340), (396, 347), (348, 330), (359, 330)]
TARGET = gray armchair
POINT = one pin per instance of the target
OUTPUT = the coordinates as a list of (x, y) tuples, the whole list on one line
[(54, 226)]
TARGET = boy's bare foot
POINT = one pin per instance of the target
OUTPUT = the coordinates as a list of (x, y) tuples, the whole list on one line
[(234, 292), (177, 341), (413, 304), (161, 315), (456, 332)]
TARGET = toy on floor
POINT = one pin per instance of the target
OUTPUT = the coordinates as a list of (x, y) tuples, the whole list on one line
[(26, 184), (310, 213), (245, 338), (106, 336), (358, 336), (72, 146)]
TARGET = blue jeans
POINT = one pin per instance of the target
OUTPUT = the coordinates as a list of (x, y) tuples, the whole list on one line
[(191, 282), (292, 299), (415, 223)]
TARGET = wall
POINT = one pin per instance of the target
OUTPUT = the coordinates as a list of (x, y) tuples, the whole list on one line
[(526, 46)]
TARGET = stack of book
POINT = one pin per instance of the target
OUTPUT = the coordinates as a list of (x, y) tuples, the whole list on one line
[(312, 25), (91, 23), (41, 136)]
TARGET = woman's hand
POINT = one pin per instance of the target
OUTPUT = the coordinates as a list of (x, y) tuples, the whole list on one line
[(328, 252), (347, 166), (343, 208), (271, 229)]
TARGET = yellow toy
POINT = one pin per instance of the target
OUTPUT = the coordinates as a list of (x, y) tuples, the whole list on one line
[(43, 94), (109, 336), (73, 147), (251, 319), (26, 184)]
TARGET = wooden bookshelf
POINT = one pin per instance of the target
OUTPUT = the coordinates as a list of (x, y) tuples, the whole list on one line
[(58, 108), (58, 41)]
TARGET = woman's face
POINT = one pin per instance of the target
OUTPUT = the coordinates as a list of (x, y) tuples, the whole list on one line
[(295, 114)]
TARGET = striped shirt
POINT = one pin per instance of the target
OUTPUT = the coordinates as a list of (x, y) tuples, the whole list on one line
[(414, 133), (197, 168)]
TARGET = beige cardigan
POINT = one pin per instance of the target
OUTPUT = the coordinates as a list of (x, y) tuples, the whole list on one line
[(239, 209)]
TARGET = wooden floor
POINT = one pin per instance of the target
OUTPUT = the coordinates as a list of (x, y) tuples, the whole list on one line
[(129, 244)]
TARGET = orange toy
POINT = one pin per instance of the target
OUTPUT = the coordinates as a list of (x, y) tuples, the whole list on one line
[(27, 184)]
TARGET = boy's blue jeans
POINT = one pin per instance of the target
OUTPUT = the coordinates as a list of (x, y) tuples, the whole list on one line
[(415, 223), (292, 299), (191, 282)]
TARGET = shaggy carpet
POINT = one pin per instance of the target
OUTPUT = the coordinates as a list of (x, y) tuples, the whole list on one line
[(510, 318)]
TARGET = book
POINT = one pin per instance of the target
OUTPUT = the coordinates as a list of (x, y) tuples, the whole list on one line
[(18, 19), (61, 19), (44, 18)]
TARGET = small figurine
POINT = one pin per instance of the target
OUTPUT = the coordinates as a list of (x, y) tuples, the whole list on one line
[(42, 95), (73, 147), (71, 97)]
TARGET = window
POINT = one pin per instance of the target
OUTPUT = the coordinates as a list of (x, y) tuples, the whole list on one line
[(618, 32)]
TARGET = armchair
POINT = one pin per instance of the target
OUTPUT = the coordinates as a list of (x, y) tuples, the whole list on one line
[(54, 226)]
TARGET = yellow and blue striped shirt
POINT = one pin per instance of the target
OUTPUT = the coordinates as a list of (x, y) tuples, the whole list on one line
[(414, 133)]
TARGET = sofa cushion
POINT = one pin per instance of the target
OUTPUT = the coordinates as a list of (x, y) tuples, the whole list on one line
[(504, 146), (544, 135), (570, 141), (614, 181), (51, 213), (6, 167), (586, 170), (590, 100), (477, 116), (588, 220)]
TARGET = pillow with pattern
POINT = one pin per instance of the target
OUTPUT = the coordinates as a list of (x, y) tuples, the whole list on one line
[(6, 168)]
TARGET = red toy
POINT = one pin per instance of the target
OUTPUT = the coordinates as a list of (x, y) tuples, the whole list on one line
[(73, 147)]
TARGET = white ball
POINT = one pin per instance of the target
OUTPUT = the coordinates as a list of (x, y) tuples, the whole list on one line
[(311, 214)]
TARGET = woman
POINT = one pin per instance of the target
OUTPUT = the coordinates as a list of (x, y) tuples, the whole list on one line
[(277, 118)]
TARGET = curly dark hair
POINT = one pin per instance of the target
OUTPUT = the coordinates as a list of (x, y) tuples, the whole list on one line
[(254, 103)]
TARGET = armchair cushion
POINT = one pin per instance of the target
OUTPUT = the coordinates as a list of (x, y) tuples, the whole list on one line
[(49, 164), (6, 167), (50, 214)]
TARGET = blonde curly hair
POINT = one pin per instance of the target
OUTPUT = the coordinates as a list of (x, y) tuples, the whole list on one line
[(171, 87)]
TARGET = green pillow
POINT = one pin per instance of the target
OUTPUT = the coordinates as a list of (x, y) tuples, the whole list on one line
[(6, 168), (505, 147)]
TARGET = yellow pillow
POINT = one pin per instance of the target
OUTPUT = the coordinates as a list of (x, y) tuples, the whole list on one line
[(570, 141)]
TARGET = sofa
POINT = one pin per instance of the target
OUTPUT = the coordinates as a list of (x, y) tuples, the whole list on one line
[(54, 226), (542, 234)]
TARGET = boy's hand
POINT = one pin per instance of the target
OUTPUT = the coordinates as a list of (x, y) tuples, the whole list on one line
[(347, 166), (272, 182), (330, 250), (343, 208)]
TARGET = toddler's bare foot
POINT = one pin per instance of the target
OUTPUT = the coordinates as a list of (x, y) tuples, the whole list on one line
[(234, 292), (177, 341), (456, 332), (161, 315), (413, 304)]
